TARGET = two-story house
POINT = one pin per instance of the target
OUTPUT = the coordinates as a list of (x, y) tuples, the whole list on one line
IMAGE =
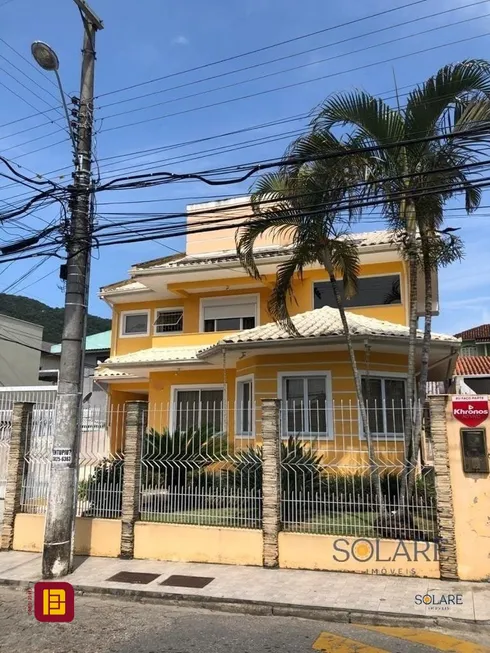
[(192, 334)]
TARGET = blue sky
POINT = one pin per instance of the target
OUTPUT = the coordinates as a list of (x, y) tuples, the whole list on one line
[(142, 41)]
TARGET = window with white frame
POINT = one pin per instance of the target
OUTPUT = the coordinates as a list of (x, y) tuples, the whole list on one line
[(305, 404), (198, 408), (229, 313), (135, 323), (385, 399), (244, 407), (471, 350), (169, 320)]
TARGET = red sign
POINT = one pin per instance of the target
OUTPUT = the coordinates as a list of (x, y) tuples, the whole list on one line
[(54, 601), (470, 410)]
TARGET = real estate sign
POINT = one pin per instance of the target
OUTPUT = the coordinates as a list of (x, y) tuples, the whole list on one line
[(470, 410)]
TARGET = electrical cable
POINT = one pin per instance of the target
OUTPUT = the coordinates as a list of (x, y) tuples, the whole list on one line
[(292, 69), (265, 48), (293, 84)]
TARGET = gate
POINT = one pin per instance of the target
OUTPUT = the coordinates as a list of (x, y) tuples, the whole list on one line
[(42, 397)]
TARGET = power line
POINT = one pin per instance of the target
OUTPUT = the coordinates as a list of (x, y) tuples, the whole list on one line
[(294, 68), (293, 85), (265, 48), (292, 118), (234, 57), (40, 71)]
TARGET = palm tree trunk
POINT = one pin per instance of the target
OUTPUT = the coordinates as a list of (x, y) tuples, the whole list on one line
[(412, 342), (357, 380), (424, 374)]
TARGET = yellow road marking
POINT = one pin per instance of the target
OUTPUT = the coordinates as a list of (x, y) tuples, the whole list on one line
[(329, 642), (430, 638)]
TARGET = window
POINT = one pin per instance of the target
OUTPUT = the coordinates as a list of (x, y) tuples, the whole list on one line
[(198, 408), (371, 291), (305, 404), (473, 350), (229, 313), (229, 324), (385, 400), (134, 324), (244, 408), (169, 321)]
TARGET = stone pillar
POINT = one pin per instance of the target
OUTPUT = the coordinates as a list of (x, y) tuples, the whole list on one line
[(444, 496), (271, 481), (19, 444), (135, 427)]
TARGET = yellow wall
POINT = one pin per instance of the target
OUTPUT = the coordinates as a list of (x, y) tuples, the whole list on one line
[(189, 301), (120, 394), (376, 557), (266, 368), (182, 543), (471, 499), (97, 537)]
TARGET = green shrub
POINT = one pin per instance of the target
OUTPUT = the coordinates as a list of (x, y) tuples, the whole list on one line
[(104, 488), (177, 460)]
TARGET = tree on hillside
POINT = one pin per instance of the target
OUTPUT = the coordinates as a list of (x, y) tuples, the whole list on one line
[(32, 310)]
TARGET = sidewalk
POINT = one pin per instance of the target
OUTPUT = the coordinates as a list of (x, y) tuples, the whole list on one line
[(329, 596)]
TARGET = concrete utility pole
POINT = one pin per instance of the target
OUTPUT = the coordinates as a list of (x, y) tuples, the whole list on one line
[(62, 496)]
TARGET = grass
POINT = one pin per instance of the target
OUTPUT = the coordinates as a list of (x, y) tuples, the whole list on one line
[(360, 524)]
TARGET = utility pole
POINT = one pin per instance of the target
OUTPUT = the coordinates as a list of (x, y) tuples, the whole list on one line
[(62, 496)]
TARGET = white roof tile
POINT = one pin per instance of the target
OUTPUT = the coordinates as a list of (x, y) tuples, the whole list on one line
[(106, 373), (325, 322), (157, 355), (366, 239)]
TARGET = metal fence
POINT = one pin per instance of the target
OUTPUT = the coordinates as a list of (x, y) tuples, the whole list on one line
[(195, 469), (100, 469), (189, 471), (332, 482), (40, 396)]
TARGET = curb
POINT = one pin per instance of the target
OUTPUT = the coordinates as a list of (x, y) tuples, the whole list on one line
[(266, 608)]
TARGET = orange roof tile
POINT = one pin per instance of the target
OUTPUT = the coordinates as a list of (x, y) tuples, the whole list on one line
[(481, 332), (470, 365)]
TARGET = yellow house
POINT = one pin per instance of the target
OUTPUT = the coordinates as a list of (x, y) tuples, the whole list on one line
[(192, 336)]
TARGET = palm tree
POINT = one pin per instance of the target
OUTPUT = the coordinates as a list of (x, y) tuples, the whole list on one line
[(300, 202), (422, 156)]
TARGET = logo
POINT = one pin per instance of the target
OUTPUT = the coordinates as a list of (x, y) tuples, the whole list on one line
[(438, 602), (470, 412), (54, 602), (368, 550)]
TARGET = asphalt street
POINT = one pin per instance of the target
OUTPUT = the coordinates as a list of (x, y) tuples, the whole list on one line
[(104, 625)]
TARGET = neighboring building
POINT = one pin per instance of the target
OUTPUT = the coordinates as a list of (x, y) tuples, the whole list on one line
[(473, 372), (97, 349), (476, 341), (192, 333), (20, 352)]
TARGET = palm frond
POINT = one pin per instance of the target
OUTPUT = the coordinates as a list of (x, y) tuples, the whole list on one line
[(427, 104), (344, 254), (372, 117), (282, 292)]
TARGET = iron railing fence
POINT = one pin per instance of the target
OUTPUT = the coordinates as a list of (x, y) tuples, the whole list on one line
[(199, 465), (100, 468), (337, 480), (190, 472), (41, 396)]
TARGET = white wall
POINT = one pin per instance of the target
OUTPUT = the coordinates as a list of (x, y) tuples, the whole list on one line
[(19, 364)]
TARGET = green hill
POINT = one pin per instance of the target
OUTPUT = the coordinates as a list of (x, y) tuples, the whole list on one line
[(30, 310)]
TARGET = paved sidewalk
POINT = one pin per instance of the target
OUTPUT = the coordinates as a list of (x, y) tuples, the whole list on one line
[(332, 596)]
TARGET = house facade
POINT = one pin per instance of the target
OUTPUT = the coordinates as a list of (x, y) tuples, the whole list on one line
[(20, 352), (192, 336), (476, 341)]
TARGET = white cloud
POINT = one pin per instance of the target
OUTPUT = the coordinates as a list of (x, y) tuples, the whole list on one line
[(180, 40)]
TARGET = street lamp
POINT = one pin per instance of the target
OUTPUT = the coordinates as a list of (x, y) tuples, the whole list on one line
[(48, 60)]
